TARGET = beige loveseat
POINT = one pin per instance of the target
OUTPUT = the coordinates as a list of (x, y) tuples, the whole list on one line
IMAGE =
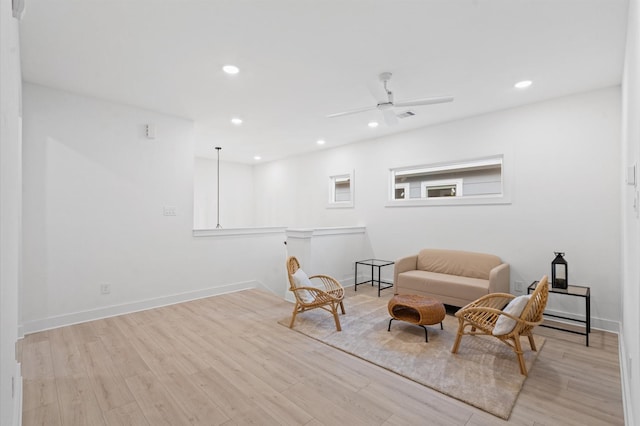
[(453, 277)]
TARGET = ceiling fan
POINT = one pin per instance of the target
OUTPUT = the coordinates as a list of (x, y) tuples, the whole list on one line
[(386, 107)]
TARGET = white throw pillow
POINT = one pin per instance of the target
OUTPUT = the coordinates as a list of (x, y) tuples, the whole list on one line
[(301, 279), (505, 324)]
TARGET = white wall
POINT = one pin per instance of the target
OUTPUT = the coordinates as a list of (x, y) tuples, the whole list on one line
[(236, 194), (630, 342), (562, 160), (94, 195), (330, 251), (10, 210)]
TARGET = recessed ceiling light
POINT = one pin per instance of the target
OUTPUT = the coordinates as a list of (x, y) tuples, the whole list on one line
[(257, 157), (237, 121), (231, 69), (373, 124), (523, 84), (320, 142)]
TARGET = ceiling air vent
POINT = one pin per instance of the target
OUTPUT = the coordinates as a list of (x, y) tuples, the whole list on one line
[(406, 114)]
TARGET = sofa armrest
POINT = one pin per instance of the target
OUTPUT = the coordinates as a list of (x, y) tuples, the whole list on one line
[(409, 263), (499, 279)]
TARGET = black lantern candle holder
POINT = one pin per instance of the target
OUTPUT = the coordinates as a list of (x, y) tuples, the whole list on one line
[(559, 271)]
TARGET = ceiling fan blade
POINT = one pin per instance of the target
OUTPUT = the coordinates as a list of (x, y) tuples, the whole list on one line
[(390, 117), (352, 111), (425, 101), (376, 90)]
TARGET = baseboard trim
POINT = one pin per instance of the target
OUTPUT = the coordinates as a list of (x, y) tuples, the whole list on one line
[(127, 308), (596, 323), (17, 395), (625, 374)]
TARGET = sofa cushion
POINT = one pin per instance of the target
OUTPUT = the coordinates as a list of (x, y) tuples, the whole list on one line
[(460, 263), (444, 284)]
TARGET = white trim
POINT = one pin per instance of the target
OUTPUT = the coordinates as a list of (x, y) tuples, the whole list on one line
[(407, 189), (505, 160), (341, 178), (339, 230), (233, 232), (341, 205), (299, 233), (127, 308), (596, 323), (306, 233), (454, 165), (433, 184), (468, 200), (625, 378), (17, 395)]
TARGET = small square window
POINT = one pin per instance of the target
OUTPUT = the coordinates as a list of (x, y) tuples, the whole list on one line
[(341, 190)]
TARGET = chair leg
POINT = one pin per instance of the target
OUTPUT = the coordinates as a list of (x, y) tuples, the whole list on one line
[(342, 307), (456, 344), (532, 343), (518, 350), (293, 317), (334, 308)]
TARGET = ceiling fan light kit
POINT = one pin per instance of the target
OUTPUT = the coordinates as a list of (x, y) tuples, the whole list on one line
[(386, 108)]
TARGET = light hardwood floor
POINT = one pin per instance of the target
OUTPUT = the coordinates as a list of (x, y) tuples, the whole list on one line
[(225, 361)]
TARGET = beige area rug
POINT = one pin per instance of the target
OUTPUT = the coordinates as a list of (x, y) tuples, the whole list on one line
[(484, 373)]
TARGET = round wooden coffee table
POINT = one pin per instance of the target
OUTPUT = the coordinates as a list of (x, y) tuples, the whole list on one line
[(418, 310)]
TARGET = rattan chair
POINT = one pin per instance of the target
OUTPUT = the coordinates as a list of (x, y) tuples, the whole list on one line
[(328, 297), (480, 317)]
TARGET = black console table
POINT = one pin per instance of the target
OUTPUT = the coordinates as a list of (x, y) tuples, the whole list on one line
[(374, 263), (576, 291)]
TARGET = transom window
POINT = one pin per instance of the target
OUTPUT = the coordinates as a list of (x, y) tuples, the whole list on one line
[(455, 181)]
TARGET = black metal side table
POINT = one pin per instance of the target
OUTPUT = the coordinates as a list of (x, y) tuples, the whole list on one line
[(374, 263), (576, 291)]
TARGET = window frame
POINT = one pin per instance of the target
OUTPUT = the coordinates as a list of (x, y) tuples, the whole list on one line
[(504, 197), (425, 185), (338, 178), (405, 186)]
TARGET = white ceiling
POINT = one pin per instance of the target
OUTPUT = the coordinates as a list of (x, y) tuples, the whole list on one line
[(301, 60)]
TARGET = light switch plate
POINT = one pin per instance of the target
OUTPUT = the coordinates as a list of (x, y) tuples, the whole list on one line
[(631, 175)]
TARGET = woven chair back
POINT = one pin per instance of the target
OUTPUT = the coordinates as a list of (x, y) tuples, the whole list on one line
[(292, 266), (536, 305)]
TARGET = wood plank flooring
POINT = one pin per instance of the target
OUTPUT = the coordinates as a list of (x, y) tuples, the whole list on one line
[(225, 361)]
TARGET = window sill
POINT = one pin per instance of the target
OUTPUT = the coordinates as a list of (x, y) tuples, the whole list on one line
[(451, 201), (344, 205)]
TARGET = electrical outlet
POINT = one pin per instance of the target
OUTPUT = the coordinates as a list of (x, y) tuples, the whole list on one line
[(169, 211), (105, 288), (519, 286)]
